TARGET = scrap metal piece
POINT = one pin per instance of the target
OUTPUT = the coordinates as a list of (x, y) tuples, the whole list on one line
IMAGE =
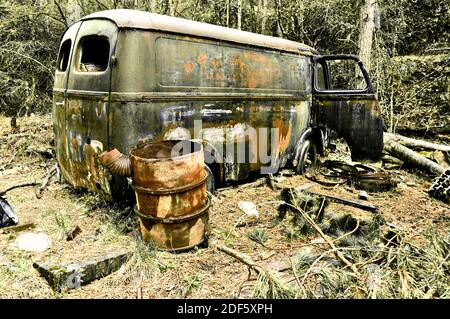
[(8, 216), (440, 189)]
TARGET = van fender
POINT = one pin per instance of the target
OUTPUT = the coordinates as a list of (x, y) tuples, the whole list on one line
[(310, 133)]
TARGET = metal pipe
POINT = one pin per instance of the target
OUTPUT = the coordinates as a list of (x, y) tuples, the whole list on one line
[(116, 163)]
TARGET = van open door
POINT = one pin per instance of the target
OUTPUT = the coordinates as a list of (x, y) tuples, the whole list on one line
[(84, 129), (345, 102)]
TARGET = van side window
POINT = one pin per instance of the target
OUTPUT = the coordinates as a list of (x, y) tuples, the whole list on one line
[(345, 75), (93, 54), (64, 53), (320, 76)]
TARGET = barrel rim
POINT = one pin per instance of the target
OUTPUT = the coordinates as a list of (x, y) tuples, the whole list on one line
[(170, 190), (168, 159)]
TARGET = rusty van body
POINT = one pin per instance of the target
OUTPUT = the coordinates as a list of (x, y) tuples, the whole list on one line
[(124, 77)]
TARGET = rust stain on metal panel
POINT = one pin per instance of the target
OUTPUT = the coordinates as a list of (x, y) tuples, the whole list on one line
[(77, 146), (188, 68), (358, 121), (202, 58)]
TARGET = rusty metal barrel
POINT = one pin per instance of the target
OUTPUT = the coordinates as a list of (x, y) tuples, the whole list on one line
[(169, 180)]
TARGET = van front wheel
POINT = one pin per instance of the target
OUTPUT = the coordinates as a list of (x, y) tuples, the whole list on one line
[(308, 157)]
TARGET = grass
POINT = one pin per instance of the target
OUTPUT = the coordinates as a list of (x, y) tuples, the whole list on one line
[(258, 235), (271, 286), (62, 224), (391, 271), (192, 283)]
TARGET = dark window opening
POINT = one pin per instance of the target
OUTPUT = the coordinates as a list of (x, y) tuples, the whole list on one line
[(320, 77), (64, 53), (345, 75), (94, 53)]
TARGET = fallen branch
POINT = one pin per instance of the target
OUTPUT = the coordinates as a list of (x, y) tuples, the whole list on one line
[(9, 162), (16, 228), (239, 256), (443, 137), (336, 252), (276, 287), (409, 156), (391, 159), (349, 202), (414, 143), (429, 131), (3, 192), (46, 181)]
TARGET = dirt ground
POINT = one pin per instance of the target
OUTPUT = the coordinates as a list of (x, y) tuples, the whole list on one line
[(25, 155)]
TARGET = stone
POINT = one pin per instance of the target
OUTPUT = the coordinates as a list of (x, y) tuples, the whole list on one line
[(363, 195), (33, 242), (72, 276)]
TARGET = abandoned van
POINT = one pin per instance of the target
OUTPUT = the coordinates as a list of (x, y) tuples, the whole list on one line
[(257, 103)]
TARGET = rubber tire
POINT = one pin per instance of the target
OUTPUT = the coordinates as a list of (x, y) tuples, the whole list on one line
[(308, 148), (210, 181)]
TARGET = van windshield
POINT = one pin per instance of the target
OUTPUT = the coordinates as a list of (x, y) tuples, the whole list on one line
[(94, 54)]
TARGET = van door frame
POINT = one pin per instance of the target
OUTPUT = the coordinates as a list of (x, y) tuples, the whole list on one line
[(353, 114)]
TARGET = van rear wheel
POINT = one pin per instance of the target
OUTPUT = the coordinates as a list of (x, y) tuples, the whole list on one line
[(210, 181), (308, 158)]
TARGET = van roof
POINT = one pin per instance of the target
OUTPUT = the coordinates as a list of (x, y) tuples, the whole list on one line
[(134, 19)]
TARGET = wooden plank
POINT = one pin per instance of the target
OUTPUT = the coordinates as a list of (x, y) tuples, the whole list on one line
[(16, 228)]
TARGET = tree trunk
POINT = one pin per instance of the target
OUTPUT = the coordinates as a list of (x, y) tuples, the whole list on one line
[(152, 5), (264, 16), (239, 15), (366, 31), (409, 156), (228, 13), (73, 10), (413, 143), (280, 30), (171, 7)]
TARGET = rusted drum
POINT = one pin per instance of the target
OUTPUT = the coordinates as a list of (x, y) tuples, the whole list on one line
[(169, 180)]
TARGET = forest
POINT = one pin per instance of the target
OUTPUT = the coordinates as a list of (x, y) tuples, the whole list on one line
[(346, 229)]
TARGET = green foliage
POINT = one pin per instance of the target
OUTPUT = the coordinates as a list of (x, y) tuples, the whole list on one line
[(30, 31), (192, 283), (422, 96), (29, 41), (258, 235)]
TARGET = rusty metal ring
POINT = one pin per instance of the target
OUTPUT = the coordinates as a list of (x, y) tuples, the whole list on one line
[(176, 220), (169, 191), (365, 169), (340, 167)]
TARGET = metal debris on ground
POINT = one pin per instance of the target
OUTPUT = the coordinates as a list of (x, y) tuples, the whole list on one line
[(440, 189), (73, 233), (333, 172), (8, 216), (363, 195)]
